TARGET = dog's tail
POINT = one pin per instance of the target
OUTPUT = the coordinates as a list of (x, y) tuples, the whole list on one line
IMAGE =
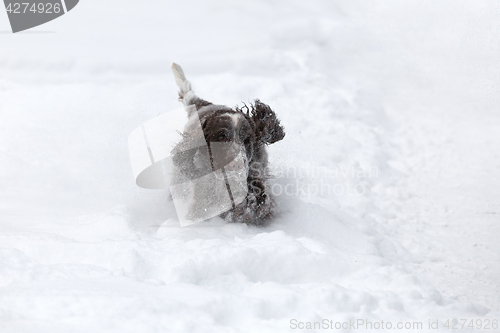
[(186, 93)]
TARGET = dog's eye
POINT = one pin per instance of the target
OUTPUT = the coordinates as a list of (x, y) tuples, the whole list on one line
[(223, 137)]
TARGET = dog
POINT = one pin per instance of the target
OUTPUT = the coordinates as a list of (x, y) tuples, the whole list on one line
[(236, 140)]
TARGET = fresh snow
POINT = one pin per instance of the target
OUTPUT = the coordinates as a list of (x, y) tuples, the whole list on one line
[(395, 103)]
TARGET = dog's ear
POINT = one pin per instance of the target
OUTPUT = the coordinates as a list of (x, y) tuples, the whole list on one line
[(267, 126)]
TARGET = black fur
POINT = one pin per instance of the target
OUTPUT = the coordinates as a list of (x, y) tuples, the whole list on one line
[(255, 127)]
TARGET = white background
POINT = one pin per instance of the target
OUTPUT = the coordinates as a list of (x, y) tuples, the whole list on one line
[(409, 88)]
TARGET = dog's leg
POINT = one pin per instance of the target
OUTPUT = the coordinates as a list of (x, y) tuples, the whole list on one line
[(256, 209), (186, 93), (258, 205)]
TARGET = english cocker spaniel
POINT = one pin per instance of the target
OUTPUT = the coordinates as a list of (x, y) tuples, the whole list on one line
[(235, 151)]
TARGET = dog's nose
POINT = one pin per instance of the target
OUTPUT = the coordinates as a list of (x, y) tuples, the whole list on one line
[(235, 165)]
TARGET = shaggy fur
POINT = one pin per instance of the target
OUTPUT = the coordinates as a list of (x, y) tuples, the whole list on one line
[(247, 130)]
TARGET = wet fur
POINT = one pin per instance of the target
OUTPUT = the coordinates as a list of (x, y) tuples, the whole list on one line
[(251, 128)]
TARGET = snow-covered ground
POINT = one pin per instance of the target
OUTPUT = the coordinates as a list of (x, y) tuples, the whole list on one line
[(390, 162)]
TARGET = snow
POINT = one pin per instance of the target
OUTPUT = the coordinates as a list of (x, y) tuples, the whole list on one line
[(397, 98)]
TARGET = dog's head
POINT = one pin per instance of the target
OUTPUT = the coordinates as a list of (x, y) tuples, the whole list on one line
[(240, 131), (234, 138)]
